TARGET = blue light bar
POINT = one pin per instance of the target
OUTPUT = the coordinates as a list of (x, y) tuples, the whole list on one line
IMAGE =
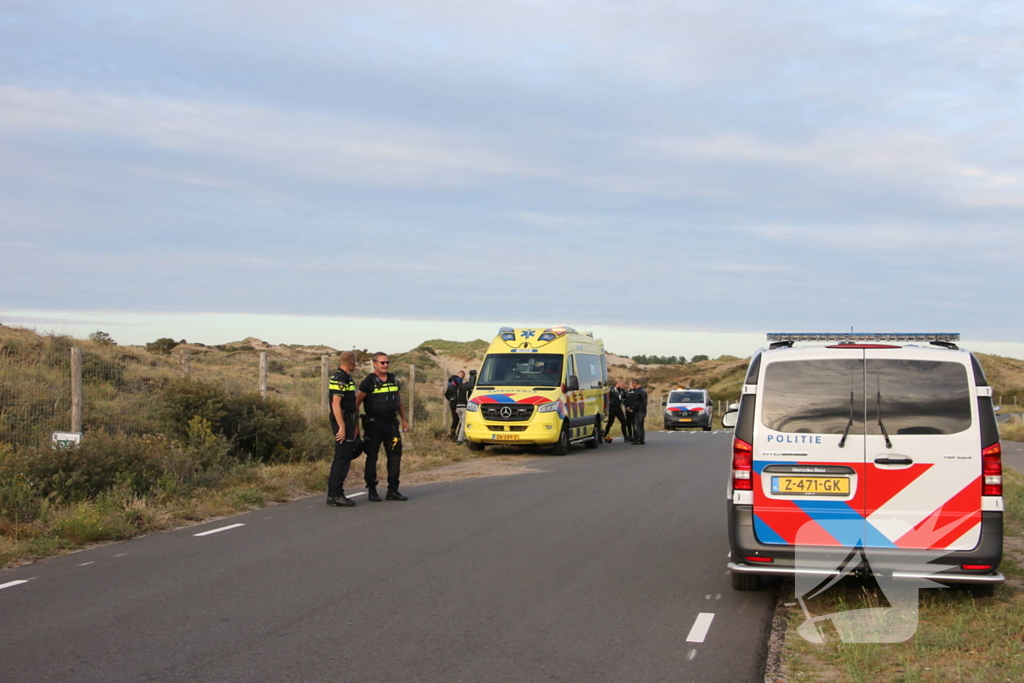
[(862, 337)]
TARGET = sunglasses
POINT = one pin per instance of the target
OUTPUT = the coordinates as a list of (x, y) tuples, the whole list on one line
[(382, 362)]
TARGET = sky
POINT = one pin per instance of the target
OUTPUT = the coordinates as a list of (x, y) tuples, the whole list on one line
[(679, 177)]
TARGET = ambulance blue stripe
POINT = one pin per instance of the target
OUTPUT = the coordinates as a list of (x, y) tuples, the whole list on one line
[(502, 398)]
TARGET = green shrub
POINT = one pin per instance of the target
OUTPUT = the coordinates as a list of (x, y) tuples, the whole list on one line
[(163, 345), (184, 399), (263, 429)]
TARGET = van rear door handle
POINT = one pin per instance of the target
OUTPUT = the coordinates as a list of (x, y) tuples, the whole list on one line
[(894, 461)]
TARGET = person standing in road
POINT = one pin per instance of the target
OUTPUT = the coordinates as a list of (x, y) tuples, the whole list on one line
[(616, 406), (344, 427), (379, 392), (450, 392), (638, 409), (461, 400)]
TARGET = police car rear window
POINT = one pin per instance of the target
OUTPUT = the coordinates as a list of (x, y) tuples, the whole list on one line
[(911, 397)]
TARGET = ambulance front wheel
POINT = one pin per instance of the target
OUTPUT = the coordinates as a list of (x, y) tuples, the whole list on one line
[(562, 445), (474, 446)]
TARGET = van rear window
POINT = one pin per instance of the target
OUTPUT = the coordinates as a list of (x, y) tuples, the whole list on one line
[(814, 396), (911, 397), (917, 397)]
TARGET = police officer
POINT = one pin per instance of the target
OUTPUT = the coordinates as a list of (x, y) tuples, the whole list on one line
[(637, 402), (379, 392), (450, 393), (461, 400), (344, 427), (616, 401)]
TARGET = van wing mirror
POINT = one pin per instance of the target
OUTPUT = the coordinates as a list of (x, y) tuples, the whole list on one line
[(573, 383), (729, 419)]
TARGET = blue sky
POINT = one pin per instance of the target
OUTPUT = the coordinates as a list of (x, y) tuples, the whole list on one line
[(697, 169)]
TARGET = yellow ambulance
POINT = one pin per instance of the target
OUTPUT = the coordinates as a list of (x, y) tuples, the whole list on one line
[(545, 387)]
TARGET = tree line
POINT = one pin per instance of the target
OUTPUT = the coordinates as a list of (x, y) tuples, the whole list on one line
[(667, 360)]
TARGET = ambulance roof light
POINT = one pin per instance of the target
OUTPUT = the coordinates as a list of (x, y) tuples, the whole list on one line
[(860, 337), (507, 333)]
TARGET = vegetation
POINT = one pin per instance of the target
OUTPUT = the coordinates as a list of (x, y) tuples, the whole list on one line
[(959, 637)]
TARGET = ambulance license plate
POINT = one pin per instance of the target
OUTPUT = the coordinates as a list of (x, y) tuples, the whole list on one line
[(685, 419), (506, 437), (811, 486)]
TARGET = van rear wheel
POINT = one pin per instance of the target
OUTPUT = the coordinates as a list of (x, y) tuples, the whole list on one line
[(745, 582)]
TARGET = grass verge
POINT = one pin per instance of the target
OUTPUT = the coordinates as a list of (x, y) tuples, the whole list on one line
[(35, 526), (958, 638)]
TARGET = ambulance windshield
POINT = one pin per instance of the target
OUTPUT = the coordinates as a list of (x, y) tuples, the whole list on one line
[(521, 370)]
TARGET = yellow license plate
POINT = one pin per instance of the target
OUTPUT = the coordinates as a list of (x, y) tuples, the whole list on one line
[(685, 419), (811, 486), (505, 437)]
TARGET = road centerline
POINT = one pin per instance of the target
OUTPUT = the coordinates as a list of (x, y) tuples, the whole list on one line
[(215, 531), (699, 631)]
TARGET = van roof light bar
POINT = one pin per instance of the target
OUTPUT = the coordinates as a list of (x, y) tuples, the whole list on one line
[(857, 337)]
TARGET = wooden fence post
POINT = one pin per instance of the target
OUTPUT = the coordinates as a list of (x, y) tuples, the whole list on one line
[(76, 388), (263, 374), (325, 405), (186, 363)]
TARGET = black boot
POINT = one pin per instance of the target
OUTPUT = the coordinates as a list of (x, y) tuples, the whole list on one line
[(395, 495), (373, 495), (341, 501)]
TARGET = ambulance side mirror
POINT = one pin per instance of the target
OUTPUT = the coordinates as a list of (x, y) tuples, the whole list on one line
[(573, 383), (729, 419), (664, 403)]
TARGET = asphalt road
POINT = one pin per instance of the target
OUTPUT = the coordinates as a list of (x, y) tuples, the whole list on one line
[(604, 565)]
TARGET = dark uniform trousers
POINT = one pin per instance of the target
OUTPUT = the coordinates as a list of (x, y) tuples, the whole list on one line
[(615, 413), (638, 426), (344, 453), (455, 418), (388, 433)]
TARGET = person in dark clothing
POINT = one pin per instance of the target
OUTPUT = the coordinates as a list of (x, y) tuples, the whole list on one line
[(616, 408), (345, 428), (461, 400), (450, 391), (637, 402), (379, 392)]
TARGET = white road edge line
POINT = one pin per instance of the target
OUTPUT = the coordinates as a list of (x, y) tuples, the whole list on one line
[(214, 531), (11, 584), (86, 564), (357, 494), (700, 627), (693, 653)]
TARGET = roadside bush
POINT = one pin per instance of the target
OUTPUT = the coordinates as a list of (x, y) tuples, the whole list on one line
[(184, 399), (263, 429)]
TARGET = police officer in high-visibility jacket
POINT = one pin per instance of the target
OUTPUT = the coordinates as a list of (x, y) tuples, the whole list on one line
[(379, 393), (344, 427)]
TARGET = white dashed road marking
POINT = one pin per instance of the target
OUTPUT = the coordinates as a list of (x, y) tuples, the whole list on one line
[(700, 627), (214, 531), (11, 584), (691, 655), (86, 564)]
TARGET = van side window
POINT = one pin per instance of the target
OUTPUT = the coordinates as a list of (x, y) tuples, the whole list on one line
[(918, 397), (814, 396)]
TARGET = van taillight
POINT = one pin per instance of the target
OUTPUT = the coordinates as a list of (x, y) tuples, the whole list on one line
[(992, 470), (742, 465)]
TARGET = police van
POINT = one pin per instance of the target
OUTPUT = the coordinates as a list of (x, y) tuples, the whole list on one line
[(688, 408), (885, 443), (545, 387)]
